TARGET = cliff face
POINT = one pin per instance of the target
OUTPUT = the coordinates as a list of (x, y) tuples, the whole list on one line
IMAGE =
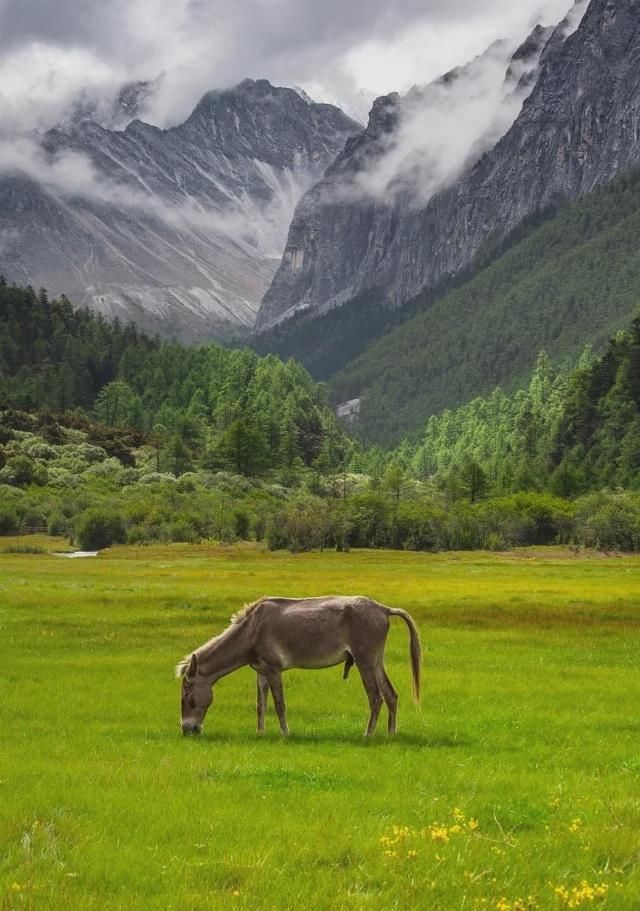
[(180, 229), (579, 126)]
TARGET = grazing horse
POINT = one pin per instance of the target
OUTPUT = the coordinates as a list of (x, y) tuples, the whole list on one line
[(275, 634)]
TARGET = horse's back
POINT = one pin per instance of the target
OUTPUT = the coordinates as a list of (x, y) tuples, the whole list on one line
[(331, 625)]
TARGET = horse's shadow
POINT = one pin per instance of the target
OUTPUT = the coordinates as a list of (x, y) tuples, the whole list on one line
[(309, 738)]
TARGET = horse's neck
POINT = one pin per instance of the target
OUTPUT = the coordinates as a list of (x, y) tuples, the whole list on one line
[(224, 654)]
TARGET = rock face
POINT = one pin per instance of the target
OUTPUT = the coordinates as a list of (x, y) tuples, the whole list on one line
[(579, 126), (179, 229)]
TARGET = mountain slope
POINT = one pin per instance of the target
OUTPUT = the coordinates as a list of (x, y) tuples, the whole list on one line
[(574, 279), (179, 229), (578, 128)]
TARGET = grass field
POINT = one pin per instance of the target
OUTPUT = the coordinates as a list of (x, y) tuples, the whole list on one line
[(517, 786)]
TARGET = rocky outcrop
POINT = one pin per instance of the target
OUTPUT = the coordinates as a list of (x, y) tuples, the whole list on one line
[(579, 125), (179, 229)]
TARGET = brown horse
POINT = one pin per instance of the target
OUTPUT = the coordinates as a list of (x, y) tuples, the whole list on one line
[(275, 634)]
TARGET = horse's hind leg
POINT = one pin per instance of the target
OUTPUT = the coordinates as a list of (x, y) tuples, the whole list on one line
[(261, 703), (370, 683), (275, 682), (390, 697)]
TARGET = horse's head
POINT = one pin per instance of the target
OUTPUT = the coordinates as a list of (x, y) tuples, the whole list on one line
[(197, 696)]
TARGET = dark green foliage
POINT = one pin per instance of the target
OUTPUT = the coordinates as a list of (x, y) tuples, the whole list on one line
[(9, 522), (97, 529), (57, 524), (609, 522), (230, 446), (567, 433), (243, 525), (574, 279), (204, 406)]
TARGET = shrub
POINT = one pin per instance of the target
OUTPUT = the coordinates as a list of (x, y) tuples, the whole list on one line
[(304, 524), (57, 524), (157, 477), (145, 533), (97, 529), (243, 524), (40, 450), (259, 527), (183, 531), (21, 471), (609, 522), (495, 542), (9, 522)]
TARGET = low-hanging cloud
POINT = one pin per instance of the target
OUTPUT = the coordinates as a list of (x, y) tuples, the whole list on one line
[(54, 49), (442, 129), (439, 126), (256, 229)]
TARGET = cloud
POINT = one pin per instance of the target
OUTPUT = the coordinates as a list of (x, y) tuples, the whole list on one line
[(440, 130), (441, 126), (68, 175), (52, 49)]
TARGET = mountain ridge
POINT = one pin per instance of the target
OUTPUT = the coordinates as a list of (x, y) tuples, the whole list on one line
[(576, 129), (178, 229)]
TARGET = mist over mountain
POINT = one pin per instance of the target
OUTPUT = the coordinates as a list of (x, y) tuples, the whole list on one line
[(442, 171), (178, 229), (183, 229)]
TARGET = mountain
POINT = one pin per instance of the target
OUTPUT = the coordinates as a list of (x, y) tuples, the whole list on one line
[(577, 128), (566, 279), (177, 229)]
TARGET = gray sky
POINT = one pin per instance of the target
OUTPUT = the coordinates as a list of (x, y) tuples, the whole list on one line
[(53, 48)]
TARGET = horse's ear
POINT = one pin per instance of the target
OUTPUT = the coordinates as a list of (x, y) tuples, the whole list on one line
[(192, 670)]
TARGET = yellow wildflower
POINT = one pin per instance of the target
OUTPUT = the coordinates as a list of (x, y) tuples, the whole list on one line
[(578, 895)]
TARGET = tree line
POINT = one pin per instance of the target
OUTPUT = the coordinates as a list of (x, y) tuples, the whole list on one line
[(105, 431)]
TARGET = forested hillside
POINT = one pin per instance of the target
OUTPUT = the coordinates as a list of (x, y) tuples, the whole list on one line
[(108, 435), (566, 433), (202, 406), (573, 280)]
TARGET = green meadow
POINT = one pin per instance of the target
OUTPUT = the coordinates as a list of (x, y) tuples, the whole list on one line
[(516, 787)]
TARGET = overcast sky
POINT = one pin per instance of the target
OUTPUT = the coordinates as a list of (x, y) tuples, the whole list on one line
[(50, 49)]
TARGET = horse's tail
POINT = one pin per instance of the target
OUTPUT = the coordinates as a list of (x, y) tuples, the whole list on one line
[(415, 650)]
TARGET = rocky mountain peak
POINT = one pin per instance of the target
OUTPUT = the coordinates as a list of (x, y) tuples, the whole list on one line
[(179, 229), (573, 98)]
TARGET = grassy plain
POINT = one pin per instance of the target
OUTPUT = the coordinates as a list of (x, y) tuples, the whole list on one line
[(516, 787)]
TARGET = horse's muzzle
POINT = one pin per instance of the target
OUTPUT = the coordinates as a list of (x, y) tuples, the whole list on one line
[(191, 729)]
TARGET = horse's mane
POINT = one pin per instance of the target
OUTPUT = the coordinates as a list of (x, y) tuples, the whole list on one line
[(182, 666), (236, 620), (241, 615)]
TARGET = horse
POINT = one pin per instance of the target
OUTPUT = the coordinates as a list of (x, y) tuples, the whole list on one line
[(272, 635)]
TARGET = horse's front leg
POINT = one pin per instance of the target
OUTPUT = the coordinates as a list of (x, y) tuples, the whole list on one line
[(261, 702), (275, 682)]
